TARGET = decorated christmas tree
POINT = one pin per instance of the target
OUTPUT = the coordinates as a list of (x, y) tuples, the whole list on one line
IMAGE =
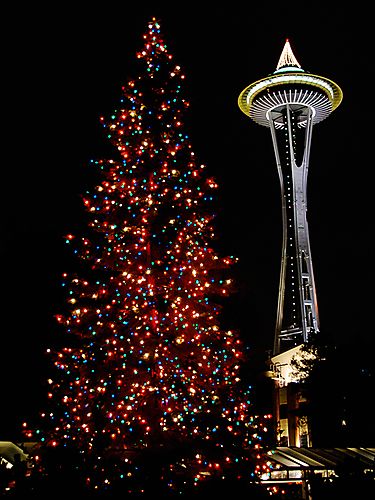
[(148, 373)]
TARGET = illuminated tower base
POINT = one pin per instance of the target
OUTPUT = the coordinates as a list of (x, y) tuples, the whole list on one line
[(289, 102)]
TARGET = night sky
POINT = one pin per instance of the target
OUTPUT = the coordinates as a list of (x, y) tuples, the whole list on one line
[(63, 69)]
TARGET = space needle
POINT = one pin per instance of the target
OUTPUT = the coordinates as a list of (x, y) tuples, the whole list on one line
[(289, 102)]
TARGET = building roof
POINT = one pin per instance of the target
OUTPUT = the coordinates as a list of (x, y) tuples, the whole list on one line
[(9, 451), (294, 458)]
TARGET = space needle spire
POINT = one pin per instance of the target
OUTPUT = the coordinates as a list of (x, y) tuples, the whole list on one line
[(290, 101), (287, 58)]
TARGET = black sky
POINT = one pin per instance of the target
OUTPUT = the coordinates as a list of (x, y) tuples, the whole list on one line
[(62, 69)]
